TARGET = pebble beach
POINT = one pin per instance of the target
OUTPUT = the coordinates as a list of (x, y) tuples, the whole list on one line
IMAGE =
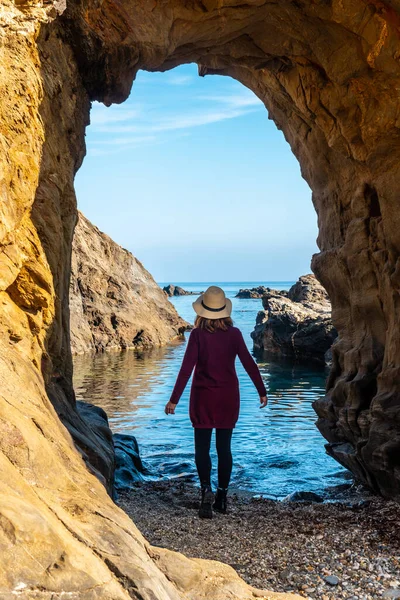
[(331, 551)]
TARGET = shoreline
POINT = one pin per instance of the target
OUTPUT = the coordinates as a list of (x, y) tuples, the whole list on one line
[(326, 551)]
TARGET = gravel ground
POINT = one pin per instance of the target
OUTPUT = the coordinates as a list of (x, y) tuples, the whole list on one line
[(327, 551)]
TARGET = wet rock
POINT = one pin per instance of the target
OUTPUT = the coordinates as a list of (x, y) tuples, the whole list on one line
[(93, 437), (114, 302), (296, 326), (332, 580), (128, 465), (303, 497), (115, 458)]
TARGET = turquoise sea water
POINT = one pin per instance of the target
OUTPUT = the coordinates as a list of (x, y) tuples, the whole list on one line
[(277, 450)]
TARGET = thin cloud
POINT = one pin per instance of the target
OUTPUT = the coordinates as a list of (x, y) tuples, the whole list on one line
[(179, 79), (197, 119), (179, 121), (236, 100), (117, 126)]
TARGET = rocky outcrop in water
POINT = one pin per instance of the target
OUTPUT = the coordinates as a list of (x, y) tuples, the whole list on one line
[(329, 73), (257, 292), (114, 301), (176, 290), (296, 325), (310, 293)]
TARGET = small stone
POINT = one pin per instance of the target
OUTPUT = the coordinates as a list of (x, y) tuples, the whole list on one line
[(332, 580), (394, 594), (302, 496)]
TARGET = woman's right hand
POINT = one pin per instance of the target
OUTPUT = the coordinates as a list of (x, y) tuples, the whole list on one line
[(170, 408), (264, 401)]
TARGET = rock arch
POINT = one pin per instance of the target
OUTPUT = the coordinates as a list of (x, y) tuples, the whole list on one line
[(328, 73)]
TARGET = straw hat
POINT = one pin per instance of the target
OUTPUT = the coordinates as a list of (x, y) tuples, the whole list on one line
[(213, 304)]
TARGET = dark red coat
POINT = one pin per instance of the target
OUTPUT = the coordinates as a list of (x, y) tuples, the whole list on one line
[(214, 397)]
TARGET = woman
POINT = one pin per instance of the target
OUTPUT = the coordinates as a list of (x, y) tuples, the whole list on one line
[(214, 399)]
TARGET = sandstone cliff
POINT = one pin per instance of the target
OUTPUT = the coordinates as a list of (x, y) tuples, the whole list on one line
[(114, 301), (297, 324), (329, 74)]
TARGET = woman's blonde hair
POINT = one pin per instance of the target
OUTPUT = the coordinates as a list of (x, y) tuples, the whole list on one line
[(212, 325)]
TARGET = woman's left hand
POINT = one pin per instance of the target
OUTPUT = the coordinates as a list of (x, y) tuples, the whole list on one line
[(263, 401), (170, 408)]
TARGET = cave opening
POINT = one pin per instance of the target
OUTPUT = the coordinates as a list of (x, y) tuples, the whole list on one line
[(191, 176), (321, 104), (328, 72)]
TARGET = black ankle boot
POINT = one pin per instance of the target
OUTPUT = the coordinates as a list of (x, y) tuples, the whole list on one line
[(220, 500), (207, 497)]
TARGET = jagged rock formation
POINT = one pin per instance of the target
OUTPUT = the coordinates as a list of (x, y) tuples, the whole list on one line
[(114, 301), (297, 324), (328, 72), (310, 292), (176, 290)]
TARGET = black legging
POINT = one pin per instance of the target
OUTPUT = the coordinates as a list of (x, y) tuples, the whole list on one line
[(202, 442)]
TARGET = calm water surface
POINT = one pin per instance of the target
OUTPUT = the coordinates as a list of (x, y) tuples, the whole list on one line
[(277, 450)]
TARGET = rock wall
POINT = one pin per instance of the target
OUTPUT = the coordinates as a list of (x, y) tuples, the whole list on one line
[(328, 73), (60, 533), (114, 301)]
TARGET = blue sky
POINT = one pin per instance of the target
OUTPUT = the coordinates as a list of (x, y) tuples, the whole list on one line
[(191, 176)]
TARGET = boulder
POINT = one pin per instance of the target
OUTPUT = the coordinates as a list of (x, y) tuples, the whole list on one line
[(303, 496), (93, 437), (296, 326), (114, 302), (128, 464), (113, 458)]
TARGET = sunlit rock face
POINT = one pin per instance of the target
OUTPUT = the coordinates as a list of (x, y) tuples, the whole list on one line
[(295, 326), (114, 302), (328, 73)]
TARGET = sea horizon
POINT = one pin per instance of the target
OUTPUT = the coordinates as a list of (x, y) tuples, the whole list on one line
[(231, 281)]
